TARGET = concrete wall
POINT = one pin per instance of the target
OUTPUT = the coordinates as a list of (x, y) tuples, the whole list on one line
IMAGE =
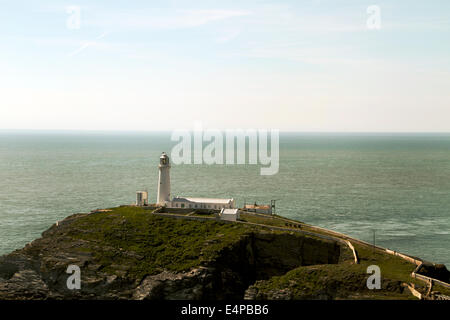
[(175, 216), (416, 275), (355, 254)]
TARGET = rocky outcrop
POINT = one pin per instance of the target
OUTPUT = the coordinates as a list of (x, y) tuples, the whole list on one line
[(320, 282), (175, 286), (435, 271), (38, 271)]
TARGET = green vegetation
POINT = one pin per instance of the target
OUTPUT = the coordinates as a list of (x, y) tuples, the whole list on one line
[(133, 242), (342, 281), (441, 289), (392, 267), (350, 279), (269, 220), (143, 243)]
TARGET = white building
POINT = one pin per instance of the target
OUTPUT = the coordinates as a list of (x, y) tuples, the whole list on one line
[(163, 197), (141, 198), (202, 203), (229, 214)]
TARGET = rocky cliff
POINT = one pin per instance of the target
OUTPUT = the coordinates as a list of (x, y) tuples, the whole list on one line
[(129, 253)]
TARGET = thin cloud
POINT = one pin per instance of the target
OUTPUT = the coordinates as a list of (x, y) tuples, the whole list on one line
[(163, 19), (87, 44)]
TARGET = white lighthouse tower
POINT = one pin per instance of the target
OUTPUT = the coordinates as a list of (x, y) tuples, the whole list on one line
[(164, 180)]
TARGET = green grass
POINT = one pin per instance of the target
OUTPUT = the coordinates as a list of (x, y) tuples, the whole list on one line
[(442, 289), (347, 279), (342, 281), (391, 266), (143, 243), (350, 279), (132, 242), (267, 220)]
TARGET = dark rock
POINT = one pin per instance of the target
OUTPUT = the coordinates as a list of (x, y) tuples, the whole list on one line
[(38, 271), (436, 271)]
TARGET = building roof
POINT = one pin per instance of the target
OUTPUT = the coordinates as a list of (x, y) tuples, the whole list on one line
[(252, 206), (229, 211), (202, 200)]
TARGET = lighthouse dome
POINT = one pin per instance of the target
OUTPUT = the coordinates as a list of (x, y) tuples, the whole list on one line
[(164, 159)]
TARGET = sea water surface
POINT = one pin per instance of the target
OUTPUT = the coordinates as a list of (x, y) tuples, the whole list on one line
[(396, 185)]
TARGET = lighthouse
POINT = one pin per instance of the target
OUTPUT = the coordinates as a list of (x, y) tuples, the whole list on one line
[(164, 180)]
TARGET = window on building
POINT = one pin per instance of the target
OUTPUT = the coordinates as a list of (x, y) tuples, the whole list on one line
[(182, 205)]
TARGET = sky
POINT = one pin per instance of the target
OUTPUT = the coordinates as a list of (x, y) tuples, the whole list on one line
[(310, 66)]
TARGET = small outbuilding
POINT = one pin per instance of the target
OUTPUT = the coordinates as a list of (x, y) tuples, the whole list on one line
[(229, 214), (264, 209), (141, 198)]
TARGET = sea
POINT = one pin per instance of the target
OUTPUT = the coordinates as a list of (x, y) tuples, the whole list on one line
[(392, 189)]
